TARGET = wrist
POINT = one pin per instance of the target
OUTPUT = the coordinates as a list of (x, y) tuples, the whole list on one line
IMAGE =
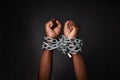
[(49, 51), (70, 37), (52, 36), (70, 46)]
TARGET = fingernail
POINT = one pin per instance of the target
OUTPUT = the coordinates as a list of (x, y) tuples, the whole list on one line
[(57, 21), (68, 21)]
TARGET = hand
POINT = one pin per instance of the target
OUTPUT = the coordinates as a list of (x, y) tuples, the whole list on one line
[(71, 29), (53, 28)]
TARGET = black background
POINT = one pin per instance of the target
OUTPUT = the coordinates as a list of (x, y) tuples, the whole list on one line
[(22, 31)]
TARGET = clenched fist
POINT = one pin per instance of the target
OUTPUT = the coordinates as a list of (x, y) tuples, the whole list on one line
[(53, 28), (71, 29)]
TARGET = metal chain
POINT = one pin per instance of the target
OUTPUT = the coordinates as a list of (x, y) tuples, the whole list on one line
[(67, 46)]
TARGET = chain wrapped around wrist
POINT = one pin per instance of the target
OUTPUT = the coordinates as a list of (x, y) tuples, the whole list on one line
[(64, 44)]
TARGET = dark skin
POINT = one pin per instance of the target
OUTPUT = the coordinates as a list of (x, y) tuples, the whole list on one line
[(71, 30)]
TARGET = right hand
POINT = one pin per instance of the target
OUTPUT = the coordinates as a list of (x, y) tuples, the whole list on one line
[(53, 28)]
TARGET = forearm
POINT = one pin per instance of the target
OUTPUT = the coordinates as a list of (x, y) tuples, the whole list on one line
[(79, 67), (45, 67)]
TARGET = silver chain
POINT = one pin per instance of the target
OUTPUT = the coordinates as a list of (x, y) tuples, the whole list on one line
[(67, 46)]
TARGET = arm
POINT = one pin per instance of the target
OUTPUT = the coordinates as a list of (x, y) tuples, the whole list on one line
[(45, 68), (79, 67), (53, 29), (71, 30)]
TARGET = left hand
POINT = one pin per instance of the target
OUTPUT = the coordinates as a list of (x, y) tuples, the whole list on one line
[(71, 30)]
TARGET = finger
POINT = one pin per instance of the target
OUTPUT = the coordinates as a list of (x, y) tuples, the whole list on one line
[(67, 25), (48, 26), (54, 24), (58, 24), (74, 25), (50, 23), (57, 29)]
